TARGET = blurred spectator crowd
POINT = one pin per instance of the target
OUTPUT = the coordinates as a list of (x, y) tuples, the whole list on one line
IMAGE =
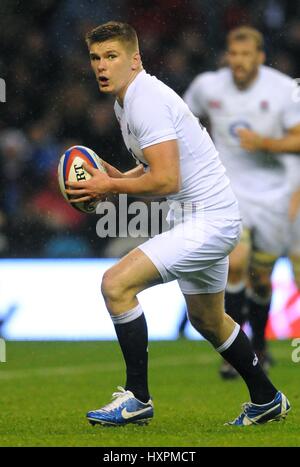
[(53, 102)]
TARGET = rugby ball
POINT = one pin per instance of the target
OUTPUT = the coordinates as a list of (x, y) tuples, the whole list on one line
[(70, 169)]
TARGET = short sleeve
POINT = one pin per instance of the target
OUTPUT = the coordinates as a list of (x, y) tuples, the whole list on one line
[(151, 121)]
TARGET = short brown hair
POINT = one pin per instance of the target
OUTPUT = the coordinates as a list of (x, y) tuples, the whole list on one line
[(122, 32), (244, 33)]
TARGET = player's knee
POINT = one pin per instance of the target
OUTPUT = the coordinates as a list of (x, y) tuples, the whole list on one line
[(115, 288), (112, 287)]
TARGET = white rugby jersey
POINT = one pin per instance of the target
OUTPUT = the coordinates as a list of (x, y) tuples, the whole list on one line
[(292, 164), (267, 107), (152, 113)]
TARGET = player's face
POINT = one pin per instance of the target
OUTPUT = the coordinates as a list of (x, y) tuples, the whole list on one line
[(114, 66), (244, 60)]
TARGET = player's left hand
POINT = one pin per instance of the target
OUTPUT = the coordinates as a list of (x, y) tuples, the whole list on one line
[(96, 187), (250, 140)]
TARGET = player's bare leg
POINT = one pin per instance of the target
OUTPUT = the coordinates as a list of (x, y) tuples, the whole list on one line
[(208, 317), (120, 285), (235, 295), (123, 281)]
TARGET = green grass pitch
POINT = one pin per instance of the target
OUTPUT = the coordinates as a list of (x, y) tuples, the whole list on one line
[(47, 388)]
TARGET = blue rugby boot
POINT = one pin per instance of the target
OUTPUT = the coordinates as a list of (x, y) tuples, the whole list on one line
[(254, 414), (124, 409)]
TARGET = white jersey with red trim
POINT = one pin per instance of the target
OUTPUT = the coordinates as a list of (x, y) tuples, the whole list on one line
[(153, 113), (269, 106)]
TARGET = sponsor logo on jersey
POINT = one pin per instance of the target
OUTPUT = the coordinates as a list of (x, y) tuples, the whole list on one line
[(264, 105), (214, 104)]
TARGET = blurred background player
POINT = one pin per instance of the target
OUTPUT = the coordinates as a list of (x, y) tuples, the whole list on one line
[(177, 159), (254, 121)]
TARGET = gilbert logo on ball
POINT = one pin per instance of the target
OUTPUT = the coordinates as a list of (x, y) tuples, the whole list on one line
[(70, 169)]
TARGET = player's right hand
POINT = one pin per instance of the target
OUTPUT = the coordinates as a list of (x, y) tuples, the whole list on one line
[(250, 140)]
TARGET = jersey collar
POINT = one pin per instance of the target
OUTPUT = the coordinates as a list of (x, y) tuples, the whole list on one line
[(132, 86)]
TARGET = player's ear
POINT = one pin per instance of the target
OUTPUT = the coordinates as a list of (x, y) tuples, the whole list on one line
[(136, 61), (262, 57)]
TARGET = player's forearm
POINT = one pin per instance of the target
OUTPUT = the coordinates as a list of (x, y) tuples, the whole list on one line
[(288, 144), (145, 185), (116, 173), (134, 173)]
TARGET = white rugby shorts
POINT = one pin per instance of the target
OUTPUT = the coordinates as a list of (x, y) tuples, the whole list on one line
[(195, 252), (269, 226)]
